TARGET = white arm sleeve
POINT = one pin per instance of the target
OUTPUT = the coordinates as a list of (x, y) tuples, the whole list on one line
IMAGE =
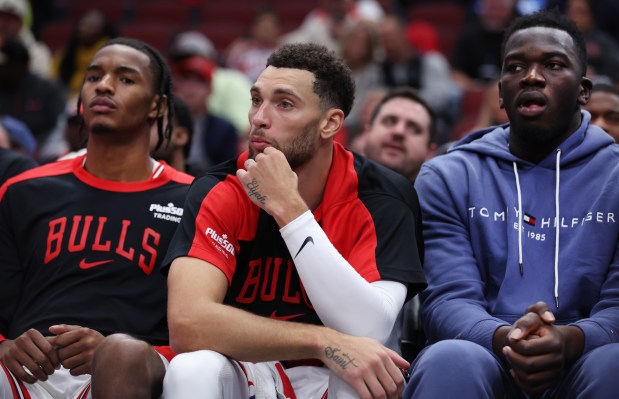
[(343, 299)]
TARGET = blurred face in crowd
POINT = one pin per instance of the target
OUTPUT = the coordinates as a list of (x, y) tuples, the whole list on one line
[(579, 11), (266, 28), (194, 91), (90, 27), (604, 109), (10, 24), (399, 136), (5, 141)]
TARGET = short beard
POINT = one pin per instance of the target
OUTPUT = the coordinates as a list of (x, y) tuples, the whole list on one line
[(99, 128), (537, 135), (301, 149)]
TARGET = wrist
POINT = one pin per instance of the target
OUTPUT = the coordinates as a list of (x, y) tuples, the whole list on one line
[(500, 340), (286, 213), (573, 342), (324, 340)]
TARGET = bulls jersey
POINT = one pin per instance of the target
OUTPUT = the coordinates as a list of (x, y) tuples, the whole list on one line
[(76, 249), (370, 214)]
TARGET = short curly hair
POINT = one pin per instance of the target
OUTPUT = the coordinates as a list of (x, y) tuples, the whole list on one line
[(334, 84), (550, 19)]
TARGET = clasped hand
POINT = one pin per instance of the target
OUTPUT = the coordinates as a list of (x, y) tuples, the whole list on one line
[(536, 349), (71, 346)]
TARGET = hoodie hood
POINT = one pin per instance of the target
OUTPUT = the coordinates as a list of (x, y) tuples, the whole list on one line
[(493, 141)]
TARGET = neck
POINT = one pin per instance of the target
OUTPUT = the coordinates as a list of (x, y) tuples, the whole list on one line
[(127, 162), (526, 147), (313, 175)]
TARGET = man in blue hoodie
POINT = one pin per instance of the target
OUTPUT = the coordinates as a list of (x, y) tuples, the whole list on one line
[(521, 234)]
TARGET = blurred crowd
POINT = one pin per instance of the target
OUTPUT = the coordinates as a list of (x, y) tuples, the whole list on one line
[(448, 50)]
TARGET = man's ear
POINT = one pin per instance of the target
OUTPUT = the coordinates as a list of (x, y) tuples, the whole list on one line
[(153, 114), (331, 123), (586, 85), (501, 105), (180, 137)]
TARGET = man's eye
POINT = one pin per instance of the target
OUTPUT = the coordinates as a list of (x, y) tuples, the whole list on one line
[(514, 68)]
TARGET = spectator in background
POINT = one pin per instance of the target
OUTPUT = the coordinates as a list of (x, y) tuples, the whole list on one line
[(175, 150), (368, 103), (324, 24), (12, 14), (229, 96), (401, 132), (91, 31), (215, 139), (428, 73), (249, 53), (12, 161), (477, 55), (19, 136), (606, 12), (604, 108), (37, 101), (602, 52), (359, 46), (491, 112)]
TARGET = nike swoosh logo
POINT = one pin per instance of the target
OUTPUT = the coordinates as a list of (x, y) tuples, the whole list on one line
[(89, 265), (307, 239), (287, 317)]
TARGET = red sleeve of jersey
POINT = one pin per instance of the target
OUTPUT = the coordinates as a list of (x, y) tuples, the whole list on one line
[(166, 352), (218, 224), (2, 338)]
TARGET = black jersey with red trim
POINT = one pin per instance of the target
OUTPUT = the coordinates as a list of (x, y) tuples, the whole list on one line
[(76, 249), (370, 214)]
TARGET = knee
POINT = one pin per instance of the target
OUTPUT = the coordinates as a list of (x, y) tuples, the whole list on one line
[(195, 366), (603, 360), (123, 351), (455, 355)]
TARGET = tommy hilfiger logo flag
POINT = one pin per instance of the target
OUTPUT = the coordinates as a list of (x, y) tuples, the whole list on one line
[(529, 219)]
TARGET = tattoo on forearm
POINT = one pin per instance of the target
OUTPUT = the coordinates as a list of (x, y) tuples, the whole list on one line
[(252, 187), (341, 359)]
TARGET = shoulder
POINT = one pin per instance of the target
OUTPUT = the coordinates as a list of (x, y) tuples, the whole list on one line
[(178, 176), (37, 174), (13, 163), (376, 179), (222, 176)]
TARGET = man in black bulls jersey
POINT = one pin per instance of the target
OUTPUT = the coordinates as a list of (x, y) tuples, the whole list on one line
[(82, 240), (292, 262)]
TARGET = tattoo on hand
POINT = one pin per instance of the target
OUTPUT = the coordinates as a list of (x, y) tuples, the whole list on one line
[(253, 191), (341, 359)]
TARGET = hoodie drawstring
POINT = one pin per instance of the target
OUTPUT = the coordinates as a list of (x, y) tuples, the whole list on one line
[(557, 227), (557, 224), (520, 228)]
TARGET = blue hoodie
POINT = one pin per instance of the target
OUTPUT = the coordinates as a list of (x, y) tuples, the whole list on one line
[(483, 271)]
